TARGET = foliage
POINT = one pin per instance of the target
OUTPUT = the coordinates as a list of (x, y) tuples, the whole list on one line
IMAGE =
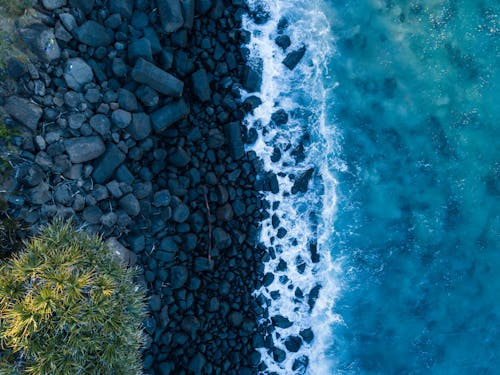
[(66, 307), (14, 8)]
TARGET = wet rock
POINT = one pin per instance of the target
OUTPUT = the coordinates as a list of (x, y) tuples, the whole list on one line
[(302, 182), (283, 41), (178, 276), (235, 140), (280, 117), (170, 13), (279, 355), (293, 343), (84, 149), (179, 158), (201, 86), (307, 334), (169, 114), (225, 213), (156, 78), (313, 296), (252, 79), (77, 73), (108, 163), (293, 58), (24, 111), (140, 127), (300, 364), (281, 322), (93, 34)]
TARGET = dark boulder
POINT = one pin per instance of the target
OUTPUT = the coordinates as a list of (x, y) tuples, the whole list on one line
[(41, 40), (203, 6), (140, 48), (280, 117), (83, 149), (283, 41), (24, 111), (178, 276), (252, 79), (281, 322), (156, 78), (302, 182), (293, 58), (170, 13), (222, 240), (108, 163), (293, 343), (123, 7), (235, 140), (93, 34), (85, 6), (140, 127), (169, 114), (179, 158), (188, 9), (201, 86)]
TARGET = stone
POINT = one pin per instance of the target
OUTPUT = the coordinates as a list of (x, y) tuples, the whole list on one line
[(108, 163), (293, 343), (53, 4), (140, 127), (301, 364), (161, 198), (252, 79), (127, 100), (281, 322), (181, 213), (120, 253), (119, 67), (130, 205), (68, 20), (197, 363), (140, 48), (302, 182), (201, 86), (235, 140), (84, 5), (42, 41), (283, 41), (101, 124), (279, 355), (203, 6), (188, 9), (156, 78), (123, 7), (222, 240), (170, 13), (235, 318), (121, 118), (225, 212), (24, 111), (169, 115), (93, 34), (92, 214), (84, 149), (179, 158), (77, 73), (61, 33), (178, 276), (293, 58), (280, 117), (307, 334), (147, 96), (202, 264), (29, 175), (155, 302)]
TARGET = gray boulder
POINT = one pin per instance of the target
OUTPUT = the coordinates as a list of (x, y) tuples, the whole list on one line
[(77, 73), (108, 163), (93, 34), (53, 4), (24, 111), (140, 127), (169, 114), (170, 13), (83, 149), (156, 78), (120, 253), (42, 41)]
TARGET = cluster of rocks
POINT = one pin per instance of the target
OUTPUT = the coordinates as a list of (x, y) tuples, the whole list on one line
[(132, 127)]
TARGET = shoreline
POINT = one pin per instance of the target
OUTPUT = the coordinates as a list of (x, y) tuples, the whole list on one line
[(133, 127)]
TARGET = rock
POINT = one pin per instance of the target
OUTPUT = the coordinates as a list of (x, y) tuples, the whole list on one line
[(92, 214), (202, 264), (100, 124), (148, 96), (84, 149), (313, 296), (170, 13), (293, 343), (181, 213), (140, 48), (119, 67), (155, 303), (215, 139), (281, 322), (300, 364), (235, 140), (156, 78), (123, 7), (130, 205), (127, 100), (279, 355), (24, 111), (29, 175), (68, 21), (108, 163), (121, 118), (109, 219), (179, 158), (77, 73), (161, 198), (235, 318), (166, 368), (140, 127), (53, 4), (222, 240), (307, 334), (42, 41), (197, 363), (93, 34), (169, 115), (283, 41), (302, 182), (120, 253), (252, 80), (178, 276), (188, 8), (280, 117), (84, 5), (225, 213), (201, 86), (293, 58), (203, 6)]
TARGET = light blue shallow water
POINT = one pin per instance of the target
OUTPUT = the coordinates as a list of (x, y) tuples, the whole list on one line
[(417, 221)]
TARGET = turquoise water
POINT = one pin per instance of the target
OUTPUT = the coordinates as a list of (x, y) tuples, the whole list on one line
[(417, 106)]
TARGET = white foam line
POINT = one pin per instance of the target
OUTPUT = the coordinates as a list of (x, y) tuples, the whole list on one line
[(300, 90)]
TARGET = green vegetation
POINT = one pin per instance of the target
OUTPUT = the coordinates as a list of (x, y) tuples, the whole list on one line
[(12, 8), (66, 307)]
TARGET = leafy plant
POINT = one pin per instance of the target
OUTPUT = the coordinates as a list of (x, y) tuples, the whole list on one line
[(68, 308), (14, 8)]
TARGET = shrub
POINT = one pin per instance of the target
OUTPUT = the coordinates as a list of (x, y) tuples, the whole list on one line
[(66, 307)]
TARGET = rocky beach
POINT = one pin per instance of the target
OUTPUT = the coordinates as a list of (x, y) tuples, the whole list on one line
[(129, 121)]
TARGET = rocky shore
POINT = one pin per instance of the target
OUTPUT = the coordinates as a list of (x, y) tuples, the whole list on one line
[(130, 123)]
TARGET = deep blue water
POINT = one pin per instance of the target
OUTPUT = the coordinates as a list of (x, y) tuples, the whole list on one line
[(418, 225)]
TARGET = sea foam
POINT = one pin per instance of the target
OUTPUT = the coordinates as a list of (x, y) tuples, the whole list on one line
[(308, 140)]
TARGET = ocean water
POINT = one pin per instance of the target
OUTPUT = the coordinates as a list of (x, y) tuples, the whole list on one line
[(395, 106)]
